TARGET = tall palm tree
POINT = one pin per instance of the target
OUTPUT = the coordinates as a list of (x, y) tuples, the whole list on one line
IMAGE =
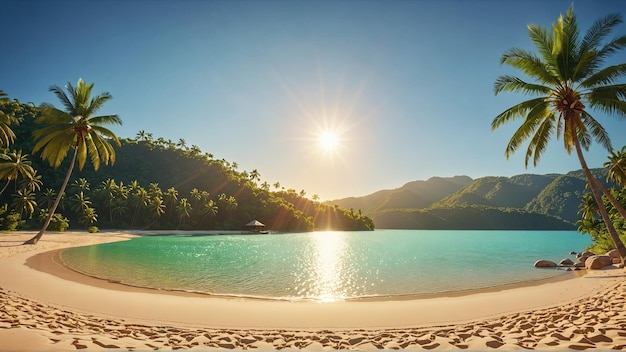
[(75, 128), (568, 78)]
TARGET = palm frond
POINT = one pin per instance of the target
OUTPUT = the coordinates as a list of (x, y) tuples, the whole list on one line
[(539, 142), (599, 30), (611, 47), (51, 115), (517, 111), (528, 63), (527, 129), (608, 75), (105, 120), (608, 99), (96, 103), (65, 100), (544, 42), (508, 83), (597, 131), (565, 48)]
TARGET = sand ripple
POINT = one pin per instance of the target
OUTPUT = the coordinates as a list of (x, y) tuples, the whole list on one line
[(591, 323)]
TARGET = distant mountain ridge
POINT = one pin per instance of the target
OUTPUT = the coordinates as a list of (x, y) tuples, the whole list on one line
[(525, 201)]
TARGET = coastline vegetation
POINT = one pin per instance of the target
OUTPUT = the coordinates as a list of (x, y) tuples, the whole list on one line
[(153, 184), (568, 79)]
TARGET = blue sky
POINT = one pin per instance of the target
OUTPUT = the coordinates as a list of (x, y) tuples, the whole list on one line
[(407, 86)]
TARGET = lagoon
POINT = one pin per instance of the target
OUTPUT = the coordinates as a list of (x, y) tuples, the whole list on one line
[(329, 266)]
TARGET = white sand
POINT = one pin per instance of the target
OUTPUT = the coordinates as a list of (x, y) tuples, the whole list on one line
[(42, 311)]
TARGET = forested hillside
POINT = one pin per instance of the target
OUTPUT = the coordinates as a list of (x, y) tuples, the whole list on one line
[(153, 184), (520, 202)]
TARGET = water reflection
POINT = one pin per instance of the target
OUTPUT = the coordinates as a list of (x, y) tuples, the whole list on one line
[(329, 269)]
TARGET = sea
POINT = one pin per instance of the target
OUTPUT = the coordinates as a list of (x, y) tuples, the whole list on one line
[(332, 265)]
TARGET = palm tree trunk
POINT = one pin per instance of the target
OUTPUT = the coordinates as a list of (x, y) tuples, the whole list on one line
[(37, 237), (617, 242)]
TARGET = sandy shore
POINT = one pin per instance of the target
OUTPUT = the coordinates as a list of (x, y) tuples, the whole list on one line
[(60, 310)]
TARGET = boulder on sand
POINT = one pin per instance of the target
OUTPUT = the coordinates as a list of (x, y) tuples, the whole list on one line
[(545, 264), (566, 262), (598, 262)]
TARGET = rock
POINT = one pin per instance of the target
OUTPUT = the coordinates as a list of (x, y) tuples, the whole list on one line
[(613, 253), (544, 264), (598, 262), (573, 253), (566, 262), (585, 254), (580, 264)]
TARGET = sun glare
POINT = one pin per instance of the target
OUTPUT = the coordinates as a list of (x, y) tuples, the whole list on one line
[(328, 141)]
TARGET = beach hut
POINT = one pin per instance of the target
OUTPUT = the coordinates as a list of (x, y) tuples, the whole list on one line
[(256, 226)]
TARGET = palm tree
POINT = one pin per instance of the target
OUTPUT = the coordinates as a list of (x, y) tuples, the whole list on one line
[(7, 136), (156, 208), (210, 209), (569, 79), (16, 164), (75, 128), (33, 183), (588, 207), (183, 210), (24, 201), (48, 197), (617, 166)]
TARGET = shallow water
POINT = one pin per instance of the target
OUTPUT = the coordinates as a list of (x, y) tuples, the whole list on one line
[(328, 266)]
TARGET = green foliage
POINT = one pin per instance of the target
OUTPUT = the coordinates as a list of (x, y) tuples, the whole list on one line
[(145, 186), (592, 225), (468, 218), (93, 229), (58, 222), (9, 219)]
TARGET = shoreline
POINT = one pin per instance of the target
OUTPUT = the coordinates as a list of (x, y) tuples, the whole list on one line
[(497, 319), (51, 263)]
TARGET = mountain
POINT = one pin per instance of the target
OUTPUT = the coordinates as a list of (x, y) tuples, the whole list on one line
[(524, 201)]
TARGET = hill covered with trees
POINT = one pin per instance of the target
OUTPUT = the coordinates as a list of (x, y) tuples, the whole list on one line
[(153, 184), (525, 201)]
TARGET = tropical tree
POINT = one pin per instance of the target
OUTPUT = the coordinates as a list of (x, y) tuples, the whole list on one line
[(156, 209), (24, 202), (32, 183), (15, 164), (7, 136), (183, 210), (616, 166), (568, 78), (75, 128)]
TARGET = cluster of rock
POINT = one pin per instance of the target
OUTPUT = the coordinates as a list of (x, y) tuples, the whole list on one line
[(586, 259)]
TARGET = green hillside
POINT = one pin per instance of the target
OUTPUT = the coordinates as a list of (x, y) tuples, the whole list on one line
[(519, 202), (158, 184)]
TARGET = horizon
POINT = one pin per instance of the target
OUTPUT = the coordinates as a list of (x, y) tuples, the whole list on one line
[(339, 99)]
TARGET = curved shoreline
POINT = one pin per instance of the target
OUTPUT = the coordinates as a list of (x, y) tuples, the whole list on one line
[(41, 262), (583, 312)]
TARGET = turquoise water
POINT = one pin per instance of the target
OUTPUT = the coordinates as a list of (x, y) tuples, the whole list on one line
[(329, 266)]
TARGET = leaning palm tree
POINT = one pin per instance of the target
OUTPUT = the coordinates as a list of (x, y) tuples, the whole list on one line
[(568, 77), (75, 128)]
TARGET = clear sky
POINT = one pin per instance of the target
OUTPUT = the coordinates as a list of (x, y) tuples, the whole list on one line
[(406, 86)]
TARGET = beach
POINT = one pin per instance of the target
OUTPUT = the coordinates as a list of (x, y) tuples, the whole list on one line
[(47, 307)]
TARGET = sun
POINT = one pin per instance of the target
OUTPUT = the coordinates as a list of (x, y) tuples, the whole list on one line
[(328, 140)]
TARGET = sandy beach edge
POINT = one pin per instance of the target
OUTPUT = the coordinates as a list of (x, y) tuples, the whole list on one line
[(354, 322)]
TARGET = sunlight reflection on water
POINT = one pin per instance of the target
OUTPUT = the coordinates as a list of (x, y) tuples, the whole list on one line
[(327, 266)]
